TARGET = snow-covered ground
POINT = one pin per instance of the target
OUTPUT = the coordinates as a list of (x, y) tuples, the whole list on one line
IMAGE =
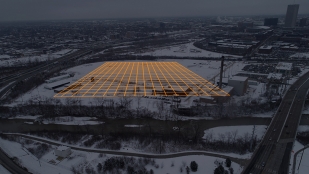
[(306, 110), (3, 170), (69, 120), (50, 164), (185, 50), (303, 163), (304, 70), (205, 165), (300, 55), (205, 68), (39, 58), (66, 120), (303, 128), (266, 114), (32, 163), (303, 167), (217, 132)]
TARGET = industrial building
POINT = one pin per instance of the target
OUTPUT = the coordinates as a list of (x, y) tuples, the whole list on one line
[(291, 15), (284, 68), (56, 85), (239, 84), (58, 78), (265, 49), (63, 151)]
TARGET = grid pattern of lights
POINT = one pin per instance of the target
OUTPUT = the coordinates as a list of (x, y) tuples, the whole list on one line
[(116, 79)]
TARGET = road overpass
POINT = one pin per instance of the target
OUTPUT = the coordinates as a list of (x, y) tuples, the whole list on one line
[(274, 152)]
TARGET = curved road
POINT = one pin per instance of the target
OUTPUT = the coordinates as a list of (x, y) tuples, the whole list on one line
[(5, 161), (11, 166), (273, 154), (145, 155)]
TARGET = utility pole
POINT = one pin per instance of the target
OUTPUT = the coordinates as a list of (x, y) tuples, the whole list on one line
[(252, 136), (221, 72)]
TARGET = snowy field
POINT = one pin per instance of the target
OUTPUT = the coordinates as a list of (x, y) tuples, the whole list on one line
[(50, 164), (3, 170), (39, 58), (266, 114), (185, 50), (205, 165), (303, 166), (218, 132), (205, 68), (66, 120), (303, 128), (306, 110), (300, 55)]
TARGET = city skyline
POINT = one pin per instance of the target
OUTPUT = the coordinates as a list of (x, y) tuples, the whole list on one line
[(78, 9)]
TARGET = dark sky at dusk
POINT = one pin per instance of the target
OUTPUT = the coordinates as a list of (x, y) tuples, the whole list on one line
[(15, 10)]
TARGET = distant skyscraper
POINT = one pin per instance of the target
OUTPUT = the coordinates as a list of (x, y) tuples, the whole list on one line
[(291, 15), (270, 21)]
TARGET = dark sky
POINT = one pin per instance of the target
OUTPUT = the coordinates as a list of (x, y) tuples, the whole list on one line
[(15, 10)]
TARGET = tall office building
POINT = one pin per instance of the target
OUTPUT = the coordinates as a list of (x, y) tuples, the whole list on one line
[(291, 15)]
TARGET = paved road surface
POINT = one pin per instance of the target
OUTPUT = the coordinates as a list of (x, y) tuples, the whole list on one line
[(13, 80), (273, 154), (145, 155), (7, 163)]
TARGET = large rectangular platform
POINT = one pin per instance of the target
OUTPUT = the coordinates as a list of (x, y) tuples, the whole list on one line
[(114, 79)]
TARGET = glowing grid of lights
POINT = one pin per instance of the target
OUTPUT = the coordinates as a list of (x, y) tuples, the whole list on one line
[(114, 79)]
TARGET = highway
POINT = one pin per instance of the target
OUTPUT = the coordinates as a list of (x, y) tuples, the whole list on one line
[(14, 79), (7, 163), (274, 152)]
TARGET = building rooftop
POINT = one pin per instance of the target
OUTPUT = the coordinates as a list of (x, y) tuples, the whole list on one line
[(58, 77), (274, 76), (284, 66), (238, 78), (117, 79), (62, 148), (266, 47)]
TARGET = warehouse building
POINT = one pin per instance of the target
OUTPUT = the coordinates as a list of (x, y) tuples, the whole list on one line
[(239, 84), (63, 151)]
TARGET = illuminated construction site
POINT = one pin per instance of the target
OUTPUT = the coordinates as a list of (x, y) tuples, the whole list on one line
[(117, 79)]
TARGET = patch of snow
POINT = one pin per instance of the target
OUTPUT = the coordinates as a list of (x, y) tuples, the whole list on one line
[(49, 163), (300, 55), (131, 125), (25, 117), (266, 114), (3, 170), (303, 163), (184, 50), (297, 146), (238, 130), (206, 164), (303, 128), (69, 120)]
